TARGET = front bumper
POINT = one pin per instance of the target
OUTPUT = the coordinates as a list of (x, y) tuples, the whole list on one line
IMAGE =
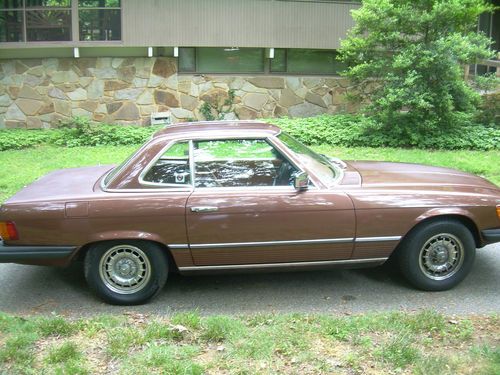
[(34, 254), (491, 235)]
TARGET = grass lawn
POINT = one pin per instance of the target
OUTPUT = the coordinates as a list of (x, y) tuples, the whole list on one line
[(390, 343), (21, 167)]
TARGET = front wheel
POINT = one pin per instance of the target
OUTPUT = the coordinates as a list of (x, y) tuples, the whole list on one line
[(126, 272), (438, 255)]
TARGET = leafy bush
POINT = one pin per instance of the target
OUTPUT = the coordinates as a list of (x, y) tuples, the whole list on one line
[(335, 130), (79, 132), (416, 57), (82, 132), (17, 139), (362, 131)]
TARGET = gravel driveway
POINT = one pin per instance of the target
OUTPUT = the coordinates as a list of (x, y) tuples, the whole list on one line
[(40, 290)]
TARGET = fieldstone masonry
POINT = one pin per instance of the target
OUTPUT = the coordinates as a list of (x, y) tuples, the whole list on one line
[(42, 93)]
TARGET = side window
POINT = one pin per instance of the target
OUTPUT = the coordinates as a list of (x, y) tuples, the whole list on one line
[(241, 162), (171, 169)]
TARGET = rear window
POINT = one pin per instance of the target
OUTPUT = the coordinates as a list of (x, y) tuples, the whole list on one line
[(117, 169)]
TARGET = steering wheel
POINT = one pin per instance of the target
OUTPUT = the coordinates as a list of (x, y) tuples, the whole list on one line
[(282, 173)]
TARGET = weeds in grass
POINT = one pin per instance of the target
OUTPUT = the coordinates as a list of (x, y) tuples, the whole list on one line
[(189, 319), (56, 326), (18, 348), (121, 339), (219, 328), (492, 357), (169, 359), (418, 343), (433, 364), (399, 351), (93, 326), (68, 351)]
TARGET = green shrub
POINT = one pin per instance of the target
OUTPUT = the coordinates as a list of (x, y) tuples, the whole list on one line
[(79, 132), (336, 130), (362, 131), (82, 132), (17, 139)]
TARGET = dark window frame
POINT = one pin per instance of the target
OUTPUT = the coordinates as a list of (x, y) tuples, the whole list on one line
[(285, 50), (73, 25), (267, 65), (195, 59), (336, 73), (23, 22), (27, 10), (94, 8), (198, 71)]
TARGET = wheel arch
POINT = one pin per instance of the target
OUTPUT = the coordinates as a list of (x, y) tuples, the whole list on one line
[(82, 251), (462, 218)]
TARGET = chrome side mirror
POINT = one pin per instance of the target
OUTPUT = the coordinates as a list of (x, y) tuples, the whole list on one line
[(301, 181)]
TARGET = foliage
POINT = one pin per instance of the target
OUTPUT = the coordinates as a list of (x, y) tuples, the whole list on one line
[(362, 131), (79, 132), (17, 139), (407, 59), (82, 132), (335, 130), (219, 109), (488, 84)]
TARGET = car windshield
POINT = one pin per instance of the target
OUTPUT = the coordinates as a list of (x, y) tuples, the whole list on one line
[(319, 164)]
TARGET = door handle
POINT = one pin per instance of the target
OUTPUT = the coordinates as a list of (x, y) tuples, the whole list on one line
[(204, 209)]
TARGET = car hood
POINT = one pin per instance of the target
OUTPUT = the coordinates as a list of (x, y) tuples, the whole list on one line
[(385, 174), (64, 184)]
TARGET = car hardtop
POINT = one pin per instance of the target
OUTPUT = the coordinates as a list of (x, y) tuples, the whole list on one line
[(218, 130)]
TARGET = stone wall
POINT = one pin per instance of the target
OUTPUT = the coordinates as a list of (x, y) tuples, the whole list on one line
[(42, 93)]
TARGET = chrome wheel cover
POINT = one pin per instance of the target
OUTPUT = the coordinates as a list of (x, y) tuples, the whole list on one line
[(441, 256), (125, 269)]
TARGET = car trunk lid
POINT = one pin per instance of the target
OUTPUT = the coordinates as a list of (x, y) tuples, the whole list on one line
[(64, 184)]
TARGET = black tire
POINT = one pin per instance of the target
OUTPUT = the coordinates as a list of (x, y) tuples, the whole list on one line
[(428, 255), (110, 266)]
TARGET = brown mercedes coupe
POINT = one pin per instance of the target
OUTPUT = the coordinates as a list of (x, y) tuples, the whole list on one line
[(221, 196)]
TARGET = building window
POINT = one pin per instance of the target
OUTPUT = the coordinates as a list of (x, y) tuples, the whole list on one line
[(51, 20), (187, 59), (487, 24), (48, 20), (305, 61), (99, 20), (11, 21), (221, 60)]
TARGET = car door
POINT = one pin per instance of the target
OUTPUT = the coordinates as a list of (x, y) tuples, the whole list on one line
[(243, 209)]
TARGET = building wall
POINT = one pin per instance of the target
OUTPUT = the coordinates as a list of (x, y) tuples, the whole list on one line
[(224, 23), (40, 93), (249, 23)]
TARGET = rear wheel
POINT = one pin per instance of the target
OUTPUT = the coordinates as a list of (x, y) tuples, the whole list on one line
[(438, 255), (126, 272)]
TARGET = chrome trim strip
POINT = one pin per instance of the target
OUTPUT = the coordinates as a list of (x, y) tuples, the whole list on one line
[(270, 243), (191, 163), (378, 239), (179, 246), (280, 265), (283, 243)]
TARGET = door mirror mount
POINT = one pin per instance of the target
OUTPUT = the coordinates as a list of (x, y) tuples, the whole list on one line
[(301, 181)]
